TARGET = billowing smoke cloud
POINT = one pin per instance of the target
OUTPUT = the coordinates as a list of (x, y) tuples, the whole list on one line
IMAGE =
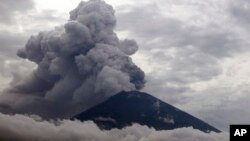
[(78, 65), (24, 128)]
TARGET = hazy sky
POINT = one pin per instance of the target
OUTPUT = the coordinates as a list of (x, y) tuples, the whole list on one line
[(195, 53)]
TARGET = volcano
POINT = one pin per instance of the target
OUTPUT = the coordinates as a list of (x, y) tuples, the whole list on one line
[(127, 108)]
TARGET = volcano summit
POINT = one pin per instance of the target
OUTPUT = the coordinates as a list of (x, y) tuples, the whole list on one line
[(126, 108)]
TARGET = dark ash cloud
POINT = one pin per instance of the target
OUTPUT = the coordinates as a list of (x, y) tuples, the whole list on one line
[(78, 65)]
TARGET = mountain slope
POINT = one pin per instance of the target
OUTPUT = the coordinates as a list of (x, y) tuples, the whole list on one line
[(126, 108)]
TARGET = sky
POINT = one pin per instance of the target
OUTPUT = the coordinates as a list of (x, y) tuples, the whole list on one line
[(195, 54)]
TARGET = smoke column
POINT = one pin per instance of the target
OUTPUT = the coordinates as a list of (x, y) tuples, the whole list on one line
[(79, 65)]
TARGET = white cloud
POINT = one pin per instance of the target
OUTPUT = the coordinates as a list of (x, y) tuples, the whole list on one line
[(30, 128)]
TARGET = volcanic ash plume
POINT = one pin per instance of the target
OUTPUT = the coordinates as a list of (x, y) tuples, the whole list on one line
[(78, 65)]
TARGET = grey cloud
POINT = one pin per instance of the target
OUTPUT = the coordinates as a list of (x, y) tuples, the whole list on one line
[(197, 49), (225, 106), (47, 15), (240, 11), (79, 65), (11, 66), (29, 128), (186, 51), (196, 65), (9, 8), (176, 70), (159, 87), (172, 32), (10, 42)]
